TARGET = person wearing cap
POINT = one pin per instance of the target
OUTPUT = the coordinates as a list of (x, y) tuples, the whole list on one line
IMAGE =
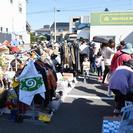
[(121, 55), (121, 84)]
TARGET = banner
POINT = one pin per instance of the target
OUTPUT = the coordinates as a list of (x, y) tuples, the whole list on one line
[(112, 18), (31, 83)]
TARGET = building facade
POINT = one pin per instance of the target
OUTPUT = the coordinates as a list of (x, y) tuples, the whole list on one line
[(62, 29), (13, 19), (79, 27), (112, 25), (45, 31), (76, 21), (83, 31)]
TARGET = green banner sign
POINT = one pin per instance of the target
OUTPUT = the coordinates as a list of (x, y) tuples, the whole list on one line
[(112, 18)]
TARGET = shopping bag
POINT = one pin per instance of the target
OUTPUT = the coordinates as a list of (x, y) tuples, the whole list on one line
[(68, 76), (108, 76)]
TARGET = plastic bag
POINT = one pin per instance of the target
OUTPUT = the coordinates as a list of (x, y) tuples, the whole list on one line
[(126, 125), (44, 117)]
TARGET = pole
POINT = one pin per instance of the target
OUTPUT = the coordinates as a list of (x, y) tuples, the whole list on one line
[(55, 21), (33, 110), (16, 63)]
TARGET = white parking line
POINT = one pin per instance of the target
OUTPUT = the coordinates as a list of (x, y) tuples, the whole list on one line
[(90, 97)]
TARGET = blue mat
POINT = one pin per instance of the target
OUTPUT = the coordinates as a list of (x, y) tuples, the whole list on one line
[(110, 126)]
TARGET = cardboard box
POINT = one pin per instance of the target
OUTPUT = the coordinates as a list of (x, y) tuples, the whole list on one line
[(68, 76)]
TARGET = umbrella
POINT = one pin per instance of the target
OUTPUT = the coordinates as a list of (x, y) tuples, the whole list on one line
[(100, 39)]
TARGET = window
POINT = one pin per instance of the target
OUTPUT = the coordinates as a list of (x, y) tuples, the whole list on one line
[(1, 29), (59, 30), (64, 29), (20, 8), (7, 30)]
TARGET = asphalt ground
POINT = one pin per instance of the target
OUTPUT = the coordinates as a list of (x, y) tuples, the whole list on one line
[(81, 112)]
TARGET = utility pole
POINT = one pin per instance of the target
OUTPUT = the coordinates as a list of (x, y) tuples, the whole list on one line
[(55, 20)]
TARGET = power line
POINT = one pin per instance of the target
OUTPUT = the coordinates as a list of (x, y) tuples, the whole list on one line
[(73, 10), (40, 12)]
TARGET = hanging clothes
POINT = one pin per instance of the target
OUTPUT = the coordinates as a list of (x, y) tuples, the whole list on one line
[(68, 56), (50, 79), (42, 66), (77, 57), (31, 83), (71, 57)]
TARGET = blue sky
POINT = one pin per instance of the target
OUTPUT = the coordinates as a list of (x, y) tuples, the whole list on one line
[(41, 12)]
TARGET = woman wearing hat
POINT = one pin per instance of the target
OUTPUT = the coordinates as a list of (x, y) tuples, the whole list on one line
[(121, 84), (121, 55)]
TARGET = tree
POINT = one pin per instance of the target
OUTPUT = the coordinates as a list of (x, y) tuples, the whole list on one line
[(42, 38), (32, 37)]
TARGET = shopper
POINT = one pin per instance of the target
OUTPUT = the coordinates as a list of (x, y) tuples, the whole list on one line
[(99, 65), (121, 46), (86, 67), (121, 84), (121, 55), (92, 56), (107, 53), (84, 52)]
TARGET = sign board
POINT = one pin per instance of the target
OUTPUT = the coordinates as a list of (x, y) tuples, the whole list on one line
[(112, 18)]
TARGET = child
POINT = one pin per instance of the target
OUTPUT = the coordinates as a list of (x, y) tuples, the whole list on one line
[(99, 61), (86, 67)]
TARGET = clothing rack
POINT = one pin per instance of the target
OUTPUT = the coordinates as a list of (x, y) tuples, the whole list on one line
[(16, 68)]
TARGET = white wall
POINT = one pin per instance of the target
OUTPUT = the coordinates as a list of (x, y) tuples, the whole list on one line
[(5, 15), (83, 19), (12, 18), (119, 31), (84, 33)]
